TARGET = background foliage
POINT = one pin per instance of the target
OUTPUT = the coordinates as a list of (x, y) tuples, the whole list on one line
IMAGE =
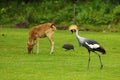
[(87, 12)]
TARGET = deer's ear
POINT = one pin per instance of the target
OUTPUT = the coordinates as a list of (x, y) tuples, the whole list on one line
[(30, 43), (52, 24)]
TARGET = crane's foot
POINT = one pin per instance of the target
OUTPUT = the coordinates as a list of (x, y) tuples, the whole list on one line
[(101, 67)]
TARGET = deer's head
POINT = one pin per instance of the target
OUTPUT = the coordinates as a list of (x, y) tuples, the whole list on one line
[(30, 47)]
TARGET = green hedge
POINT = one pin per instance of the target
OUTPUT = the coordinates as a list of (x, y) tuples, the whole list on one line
[(92, 12)]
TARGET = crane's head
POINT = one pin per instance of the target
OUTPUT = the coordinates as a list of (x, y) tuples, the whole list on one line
[(73, 28)]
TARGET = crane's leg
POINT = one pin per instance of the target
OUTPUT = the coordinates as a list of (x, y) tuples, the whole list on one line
[(100, 60), (88, 59)]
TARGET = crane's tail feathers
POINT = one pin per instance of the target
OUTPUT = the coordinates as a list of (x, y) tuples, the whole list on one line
[(102, 50)]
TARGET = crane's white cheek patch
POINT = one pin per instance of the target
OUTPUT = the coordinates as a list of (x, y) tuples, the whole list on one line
[(93, 45)]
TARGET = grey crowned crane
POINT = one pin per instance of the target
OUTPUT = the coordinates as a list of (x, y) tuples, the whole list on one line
[(91, 46)]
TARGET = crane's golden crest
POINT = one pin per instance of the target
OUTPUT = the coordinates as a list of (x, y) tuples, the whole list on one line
[(73, 28)]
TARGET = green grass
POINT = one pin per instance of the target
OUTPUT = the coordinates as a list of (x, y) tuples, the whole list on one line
[(16, 64)]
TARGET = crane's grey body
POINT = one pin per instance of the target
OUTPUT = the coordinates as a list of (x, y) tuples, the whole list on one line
[(90, 45)]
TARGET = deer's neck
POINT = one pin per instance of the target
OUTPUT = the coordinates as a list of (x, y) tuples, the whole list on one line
[(31, 39)]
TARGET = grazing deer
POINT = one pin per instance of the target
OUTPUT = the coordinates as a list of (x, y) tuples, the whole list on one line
[(41, 31)]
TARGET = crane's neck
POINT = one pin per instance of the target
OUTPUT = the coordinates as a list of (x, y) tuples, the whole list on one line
[(77, 35), (79, 38)]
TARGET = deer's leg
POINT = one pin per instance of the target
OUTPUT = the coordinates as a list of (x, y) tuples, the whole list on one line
[(51, 42), (37, 44)]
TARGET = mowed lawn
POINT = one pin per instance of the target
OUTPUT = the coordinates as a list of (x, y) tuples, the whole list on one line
[(16, 64)]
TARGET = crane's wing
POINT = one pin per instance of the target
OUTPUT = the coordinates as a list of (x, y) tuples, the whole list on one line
[(91, 44)]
